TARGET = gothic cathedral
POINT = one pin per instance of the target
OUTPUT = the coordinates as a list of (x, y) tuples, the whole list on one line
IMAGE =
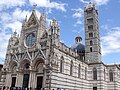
[(37, 60)]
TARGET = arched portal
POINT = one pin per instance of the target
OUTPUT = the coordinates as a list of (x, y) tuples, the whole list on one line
[(13, 68), (25, 67), (38, 65)]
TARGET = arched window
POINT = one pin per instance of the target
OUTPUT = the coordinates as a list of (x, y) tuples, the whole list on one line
[(111, 75), (94, 74), (91, 43), (71, 68), (104, 74), (79, 69), (61, 64), (85, 72)]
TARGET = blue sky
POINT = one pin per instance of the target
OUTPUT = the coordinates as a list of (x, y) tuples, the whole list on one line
[(70, 16)]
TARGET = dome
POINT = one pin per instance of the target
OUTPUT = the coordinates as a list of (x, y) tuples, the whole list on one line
[(79, 47), (78, 37)]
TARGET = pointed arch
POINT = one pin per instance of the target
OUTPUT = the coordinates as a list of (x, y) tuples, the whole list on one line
[(91, 42), (37, 61), (25, 64), (94, 74), (12, 65)]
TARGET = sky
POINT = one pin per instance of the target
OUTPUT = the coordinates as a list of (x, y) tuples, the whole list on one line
[(70, 16)]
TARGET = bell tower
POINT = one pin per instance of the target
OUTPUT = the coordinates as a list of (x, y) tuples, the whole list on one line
[(92, 34)]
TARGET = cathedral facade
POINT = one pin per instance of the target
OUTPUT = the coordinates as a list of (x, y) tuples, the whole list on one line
[(38, 60)]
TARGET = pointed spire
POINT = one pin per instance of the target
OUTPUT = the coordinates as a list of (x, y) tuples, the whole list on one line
[(91, 4), (34, 7), (84, 5), (14, 34), (26, 18), (43, 12)]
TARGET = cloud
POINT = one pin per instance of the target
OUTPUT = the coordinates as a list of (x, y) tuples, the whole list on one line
[(78, 14), (5, 4), (48, 4), (78, 22), (12, 16), (98, 2), (105, 27), (84, 1), (9, 22), (4, 41), (101, 2), (110, 42)]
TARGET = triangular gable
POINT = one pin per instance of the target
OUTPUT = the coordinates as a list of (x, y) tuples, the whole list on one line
[(13, 57), (33, 20), (26, 56), (39, 54)]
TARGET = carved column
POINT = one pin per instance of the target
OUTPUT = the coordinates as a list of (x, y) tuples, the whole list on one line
[(19, 79), (32, 79), (8, 80), (44, 79)]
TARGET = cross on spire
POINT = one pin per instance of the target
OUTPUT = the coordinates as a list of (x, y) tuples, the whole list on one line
[(78, 33), (91, 1), (43, 11)]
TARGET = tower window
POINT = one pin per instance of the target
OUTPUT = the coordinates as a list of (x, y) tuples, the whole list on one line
[(91, 49), (90, 34), (91, 43), (94, 74), (90, 20), (90, 27), (89, 11)]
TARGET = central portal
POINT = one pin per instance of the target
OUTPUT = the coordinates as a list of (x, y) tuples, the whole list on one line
[(39, 82), (25, 80)]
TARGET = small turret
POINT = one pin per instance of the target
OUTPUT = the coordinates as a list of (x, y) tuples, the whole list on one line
[(15, 34), (54, 32), (78, 39), (43, 21), (13, 43)]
